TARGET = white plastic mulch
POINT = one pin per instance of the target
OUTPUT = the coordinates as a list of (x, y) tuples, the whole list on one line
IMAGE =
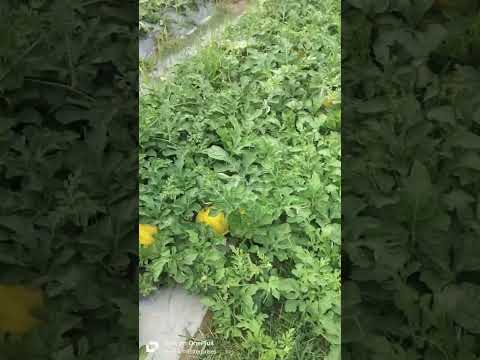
[(167, 318)]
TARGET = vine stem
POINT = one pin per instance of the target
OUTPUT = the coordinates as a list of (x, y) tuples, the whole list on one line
[(60, 85)]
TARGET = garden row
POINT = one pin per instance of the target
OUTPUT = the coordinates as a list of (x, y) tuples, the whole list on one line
[(250, 128)]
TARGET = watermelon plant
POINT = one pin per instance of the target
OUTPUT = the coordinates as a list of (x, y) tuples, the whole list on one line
[(160, 15), (240, 174)]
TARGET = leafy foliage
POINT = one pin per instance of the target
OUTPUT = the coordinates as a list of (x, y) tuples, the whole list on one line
[(250, 126), (68, 174), (152, 14), (411, 180)]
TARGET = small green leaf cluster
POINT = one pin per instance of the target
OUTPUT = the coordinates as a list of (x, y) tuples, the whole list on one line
[(152, 13)]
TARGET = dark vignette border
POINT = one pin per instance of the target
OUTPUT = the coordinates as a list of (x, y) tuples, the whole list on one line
[(411, 179), (68, 179)]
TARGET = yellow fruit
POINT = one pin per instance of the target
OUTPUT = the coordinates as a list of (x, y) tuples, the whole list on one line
[(146, 234), (218, 223), (17, 304)]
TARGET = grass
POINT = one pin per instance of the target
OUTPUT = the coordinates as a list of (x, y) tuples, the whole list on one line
[(174, 46), (304, 346)]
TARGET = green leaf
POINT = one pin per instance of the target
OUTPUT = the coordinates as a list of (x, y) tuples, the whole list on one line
[(460, 302), (217, 153), (291, 305), (465, 139), (418, 187)]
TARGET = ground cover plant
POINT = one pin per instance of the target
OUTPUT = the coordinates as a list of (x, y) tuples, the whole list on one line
[(177, 28), (240, 177), (153, 14)]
